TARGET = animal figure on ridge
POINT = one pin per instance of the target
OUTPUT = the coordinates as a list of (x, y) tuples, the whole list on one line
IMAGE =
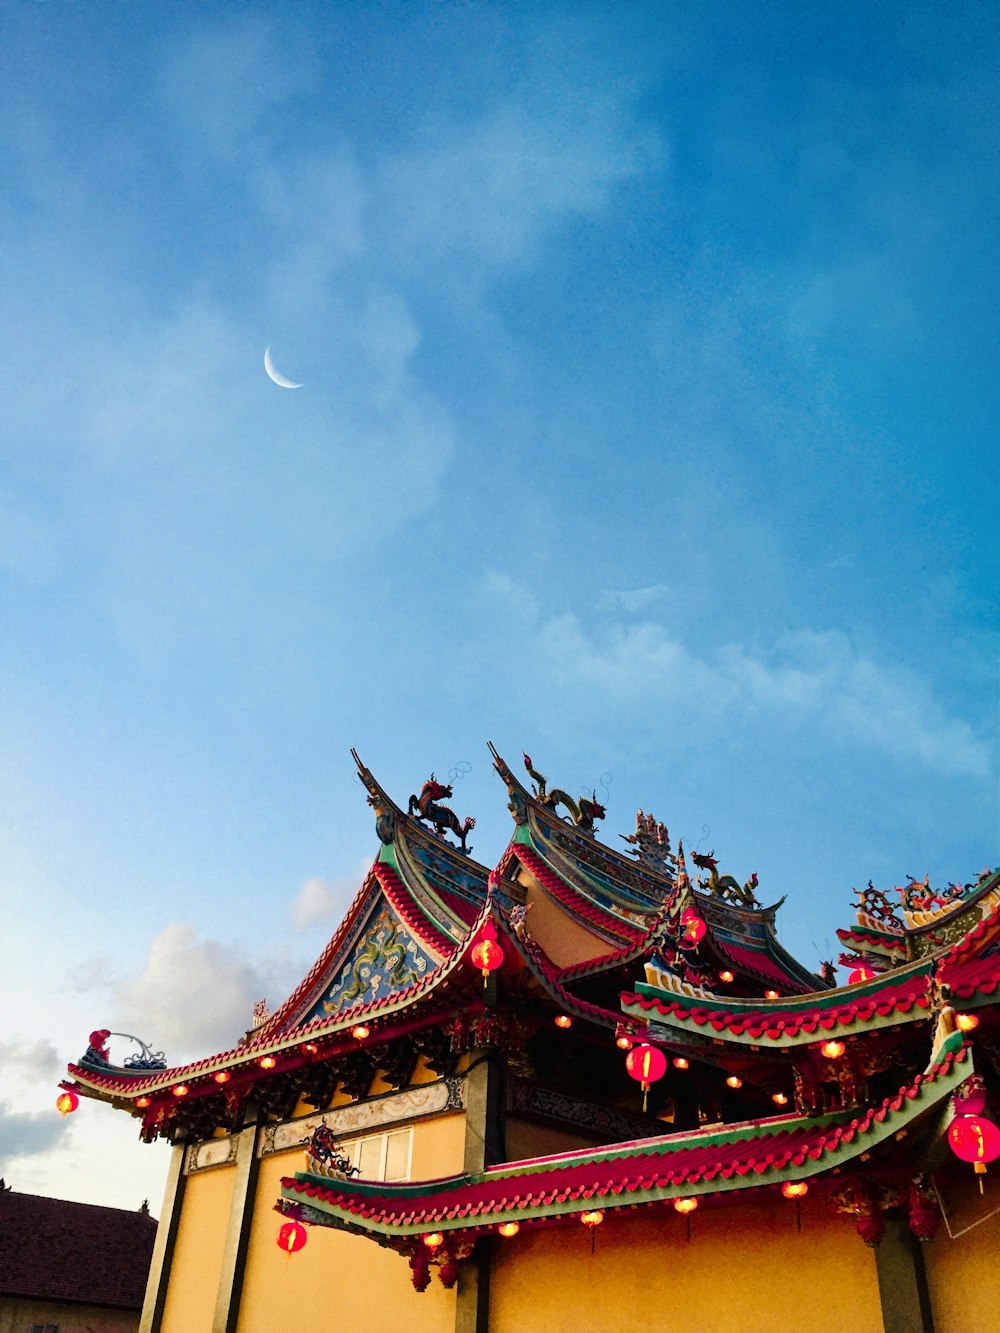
[(425, 806), (585, 813)]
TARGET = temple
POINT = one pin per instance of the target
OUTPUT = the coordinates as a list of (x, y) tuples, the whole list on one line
[(587, 1088)]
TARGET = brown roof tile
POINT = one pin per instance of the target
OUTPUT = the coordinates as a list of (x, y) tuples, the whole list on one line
[(51, 1249)]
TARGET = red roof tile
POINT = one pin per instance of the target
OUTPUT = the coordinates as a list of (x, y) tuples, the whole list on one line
[(619, 1174)]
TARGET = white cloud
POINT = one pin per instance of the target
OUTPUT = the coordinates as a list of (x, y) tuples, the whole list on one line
[(28, 1133), (35, 1060), (633, 600), (493, 189), (193, 997), (316, 901), (219, 84), (816, 679)]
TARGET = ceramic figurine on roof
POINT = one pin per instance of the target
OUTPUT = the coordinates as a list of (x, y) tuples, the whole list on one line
[(725, 886), (440, 817), (650, 843), (452, 1102), (584, 813)]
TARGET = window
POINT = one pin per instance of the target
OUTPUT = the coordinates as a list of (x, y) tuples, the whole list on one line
[(382, 1156)]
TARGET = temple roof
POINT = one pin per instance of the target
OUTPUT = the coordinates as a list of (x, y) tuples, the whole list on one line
[(969, 967), (712, 1160)]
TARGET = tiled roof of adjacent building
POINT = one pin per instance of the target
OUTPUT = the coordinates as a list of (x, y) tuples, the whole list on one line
[(55, 1250)]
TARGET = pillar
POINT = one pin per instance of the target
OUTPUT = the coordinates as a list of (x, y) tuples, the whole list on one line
[(484, 1146), (902, 1283), (227, 1302), (163, 1247)]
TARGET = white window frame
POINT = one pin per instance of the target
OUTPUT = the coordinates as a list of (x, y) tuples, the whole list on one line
[(352, 1148)]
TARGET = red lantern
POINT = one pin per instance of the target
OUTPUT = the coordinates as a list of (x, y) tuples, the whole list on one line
[(645, 1064), (487, 954), (860, 974), (694, 929), (973, 1138), (291, 1237), (67, 1102)]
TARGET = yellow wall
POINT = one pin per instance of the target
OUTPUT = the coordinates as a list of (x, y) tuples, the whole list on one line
[(197, 1262), (745, 1269), (962, 1274), (560, 935), (526, 1139), (337, 1280)]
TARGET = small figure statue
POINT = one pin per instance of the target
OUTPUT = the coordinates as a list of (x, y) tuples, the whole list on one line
[(874, 903), (261, 1013), (650, 843), (828, 973), (725, 886), (585, 812), (425, 806), (97, 1051), (325, 1149), (519, 920)]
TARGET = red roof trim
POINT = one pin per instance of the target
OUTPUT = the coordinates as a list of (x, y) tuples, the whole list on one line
[(410, 912), (573, 900), (669, 1163)]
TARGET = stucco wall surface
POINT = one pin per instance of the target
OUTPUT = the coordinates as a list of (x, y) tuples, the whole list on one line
[(743, 1270), (201, 1235), (963, 1274), (341, 1281)]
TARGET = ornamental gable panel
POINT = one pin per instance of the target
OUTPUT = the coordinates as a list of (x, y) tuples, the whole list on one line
[(383, 959)]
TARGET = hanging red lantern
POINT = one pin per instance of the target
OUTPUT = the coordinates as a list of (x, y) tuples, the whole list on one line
[(685, 1205), (486, 953), (833, 1050), (646, 1064), (592, 1219), (860, 974), (966, 1022), (973, 1138), (291, 1237), (67, 1102), (693, 931)]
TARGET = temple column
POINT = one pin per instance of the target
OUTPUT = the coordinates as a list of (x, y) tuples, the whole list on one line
[(227, 1302), (902, 1282), (163, 1247), (484, 1146)]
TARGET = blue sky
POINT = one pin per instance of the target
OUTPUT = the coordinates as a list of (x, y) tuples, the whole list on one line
[(648, 363)]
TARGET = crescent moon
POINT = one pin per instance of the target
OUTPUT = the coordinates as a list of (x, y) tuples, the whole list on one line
[(275, 373)]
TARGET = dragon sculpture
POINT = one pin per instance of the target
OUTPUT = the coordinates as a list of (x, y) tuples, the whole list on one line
[(324, 1148), (874, 903), (918, 896), (585, 813), (725, 886), (426, 807)]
